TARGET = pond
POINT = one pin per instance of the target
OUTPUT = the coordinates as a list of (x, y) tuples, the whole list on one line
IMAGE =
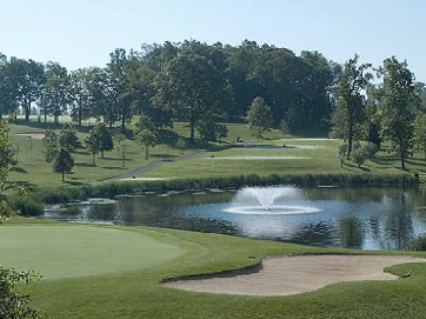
[(363, 218)]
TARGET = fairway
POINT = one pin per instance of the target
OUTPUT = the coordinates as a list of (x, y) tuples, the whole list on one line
[(81, 250)]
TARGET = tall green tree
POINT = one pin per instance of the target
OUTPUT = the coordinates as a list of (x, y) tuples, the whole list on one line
[(68, 138), (51, 145), (56, 86), (78, 95), (259, 117), (26, 79), (191, 86), (349, 112), (420, 133), (63, 163), (93, 144), (398, 106), (104, 135)]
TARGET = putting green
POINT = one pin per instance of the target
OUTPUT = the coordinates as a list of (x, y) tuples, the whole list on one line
[(83, 250)]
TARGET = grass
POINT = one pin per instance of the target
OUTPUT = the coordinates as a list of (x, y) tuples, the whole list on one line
[(298, 157), (134, 292)]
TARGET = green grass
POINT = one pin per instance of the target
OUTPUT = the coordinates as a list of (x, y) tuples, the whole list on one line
[(298, 157), (33, 169), (117, 291)]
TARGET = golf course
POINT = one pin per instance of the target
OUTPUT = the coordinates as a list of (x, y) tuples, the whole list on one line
[(109, 271)]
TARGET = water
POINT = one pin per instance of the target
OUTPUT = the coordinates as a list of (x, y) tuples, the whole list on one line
[(365, 218)]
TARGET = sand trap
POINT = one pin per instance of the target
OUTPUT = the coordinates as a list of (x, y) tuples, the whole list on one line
[(36, 136), (296, 274), (272, 157)]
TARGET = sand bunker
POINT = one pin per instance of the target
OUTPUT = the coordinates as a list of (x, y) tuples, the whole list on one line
[(296, 274)]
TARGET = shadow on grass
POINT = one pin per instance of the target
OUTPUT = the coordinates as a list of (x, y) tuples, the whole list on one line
[(84, 165), (19, 170)]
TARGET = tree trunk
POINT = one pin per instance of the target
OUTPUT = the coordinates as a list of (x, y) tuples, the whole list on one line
[(79, 115), (93, 159), (350, 138), (102, 154), (63, 176), (192, 128), (146, 153), (402, 153)]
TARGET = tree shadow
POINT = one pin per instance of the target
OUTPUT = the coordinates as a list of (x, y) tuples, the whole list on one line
[(19, 170)]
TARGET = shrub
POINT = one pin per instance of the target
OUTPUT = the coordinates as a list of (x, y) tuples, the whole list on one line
[(27, 205)]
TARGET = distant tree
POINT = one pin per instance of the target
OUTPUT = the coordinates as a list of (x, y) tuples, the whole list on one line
[(93, 144), (349, 112), (365, 152), (68, 138), (342, 149), (78, 95), (63, 163), (398, 106), (191, 86), (420, 133), (25, 82), (51, 145), (120, 143), (106, 143), (146, 134), (259, 117), (210, 131), (55, 89), (147, 139)]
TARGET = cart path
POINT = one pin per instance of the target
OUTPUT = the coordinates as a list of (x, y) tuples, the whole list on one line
[(148, 168)]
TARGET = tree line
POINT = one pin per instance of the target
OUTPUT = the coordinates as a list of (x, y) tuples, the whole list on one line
[(205, 85)]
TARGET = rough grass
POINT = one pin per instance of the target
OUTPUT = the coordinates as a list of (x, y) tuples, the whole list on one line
[(137, 294)]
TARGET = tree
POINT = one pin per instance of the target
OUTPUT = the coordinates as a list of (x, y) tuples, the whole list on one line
[(420, 133), (26, 79), (51, 145), (56, 86), (93, 144), (12, 303), (68, 138), (361, 153), (191, 86), (146, 134), (63, 163), (349, 113), (104, 135), (210, 131), (259, 117), (148, 140), (398, 106), (78, 94)]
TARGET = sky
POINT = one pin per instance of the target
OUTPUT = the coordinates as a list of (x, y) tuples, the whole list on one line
[(82, 33)]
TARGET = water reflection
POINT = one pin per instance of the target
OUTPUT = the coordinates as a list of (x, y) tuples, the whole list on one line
[(367, 218)]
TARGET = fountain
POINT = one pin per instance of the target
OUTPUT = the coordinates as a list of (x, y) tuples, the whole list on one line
[(263, 200)]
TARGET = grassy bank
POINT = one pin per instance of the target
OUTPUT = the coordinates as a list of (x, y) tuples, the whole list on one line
[(128, 287)]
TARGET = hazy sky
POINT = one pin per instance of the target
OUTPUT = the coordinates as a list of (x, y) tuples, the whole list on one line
[(82, 33)]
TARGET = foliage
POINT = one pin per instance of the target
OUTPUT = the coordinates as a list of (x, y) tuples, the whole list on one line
[(192, 87), (68, 138), (417, 244), (147, 139), (349, 112), (63, 163), (259, 117), (420, 133), (104, 136), (51, 145), (342, 149), (210, 131), (398, 107), (12, 303)]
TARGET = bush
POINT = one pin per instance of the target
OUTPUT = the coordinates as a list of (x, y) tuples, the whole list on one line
[(417, 244), (27, 205)]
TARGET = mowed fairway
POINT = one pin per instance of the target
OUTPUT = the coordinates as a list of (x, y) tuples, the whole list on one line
[(80, 250)]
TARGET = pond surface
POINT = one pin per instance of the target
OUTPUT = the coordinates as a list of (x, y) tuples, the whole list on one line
[(364, 218)]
